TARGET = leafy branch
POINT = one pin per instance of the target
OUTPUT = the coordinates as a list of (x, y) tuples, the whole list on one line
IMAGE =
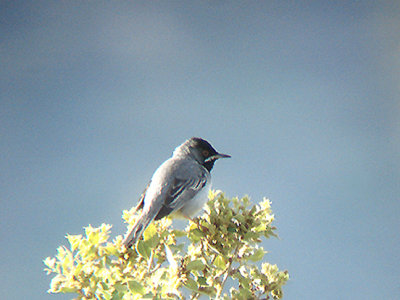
[(217, 248)]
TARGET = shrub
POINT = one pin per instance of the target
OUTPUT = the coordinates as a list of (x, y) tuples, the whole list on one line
[(219, 248)]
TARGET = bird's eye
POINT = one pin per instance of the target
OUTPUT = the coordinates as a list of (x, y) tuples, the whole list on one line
[(205, 153)]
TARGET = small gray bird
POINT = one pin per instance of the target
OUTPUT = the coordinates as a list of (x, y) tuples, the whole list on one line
[(179, 186)]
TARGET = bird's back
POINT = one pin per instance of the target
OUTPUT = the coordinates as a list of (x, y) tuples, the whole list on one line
[(176, 177)]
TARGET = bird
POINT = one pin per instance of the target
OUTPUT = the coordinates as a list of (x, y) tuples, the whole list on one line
[(178, 187)]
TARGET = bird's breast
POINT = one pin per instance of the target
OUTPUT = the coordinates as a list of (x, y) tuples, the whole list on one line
[(196, 204)]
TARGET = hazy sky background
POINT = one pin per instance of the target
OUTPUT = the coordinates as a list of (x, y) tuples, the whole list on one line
[(303, 95)]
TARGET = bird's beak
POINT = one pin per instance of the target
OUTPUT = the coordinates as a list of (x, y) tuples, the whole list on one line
[(217, 156), (220, 155)]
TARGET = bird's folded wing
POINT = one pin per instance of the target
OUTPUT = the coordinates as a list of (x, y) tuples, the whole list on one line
[(181, 191)]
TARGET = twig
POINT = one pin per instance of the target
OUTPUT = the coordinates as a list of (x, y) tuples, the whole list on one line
[(227, 271)]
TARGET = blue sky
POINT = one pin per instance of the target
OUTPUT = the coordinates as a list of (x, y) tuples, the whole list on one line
[(303, 95)]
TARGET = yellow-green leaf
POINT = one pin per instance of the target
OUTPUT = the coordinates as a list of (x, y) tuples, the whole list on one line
[(66, 289), (220, 262), (143, 248), (191, 284), (74, 241), (136, 287), (179, 233), (50, 262), (150, 231), (195, 265), (257, 255)]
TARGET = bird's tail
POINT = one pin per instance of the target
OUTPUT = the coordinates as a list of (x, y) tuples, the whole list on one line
[(137, 230)]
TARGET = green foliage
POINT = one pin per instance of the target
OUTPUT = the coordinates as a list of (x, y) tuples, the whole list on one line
[(220, 246)]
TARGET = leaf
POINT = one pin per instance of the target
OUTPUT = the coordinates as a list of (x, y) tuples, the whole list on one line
[(195, 265), (260, 228), (220, 262), (136, 287), (257, 255), (50, 262), (153, 241), (66, 289), (56, 284), (143, 248), (245, 294), (191, 284), (195, 235), (150, 231), (111, 249), (74, 241), (245, 282), (92, 234), (60, 253), (115, 295), (179, 233)]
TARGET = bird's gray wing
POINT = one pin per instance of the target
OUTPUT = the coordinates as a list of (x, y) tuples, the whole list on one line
[(181, 191)]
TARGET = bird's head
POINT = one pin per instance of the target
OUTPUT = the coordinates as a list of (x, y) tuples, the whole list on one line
[(201, 150)]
